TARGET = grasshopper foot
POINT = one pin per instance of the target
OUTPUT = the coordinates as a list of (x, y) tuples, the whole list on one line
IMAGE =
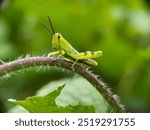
[(74, 65)]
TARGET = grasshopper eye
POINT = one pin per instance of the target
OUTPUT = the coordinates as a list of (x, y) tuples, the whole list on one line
[(58, 36)]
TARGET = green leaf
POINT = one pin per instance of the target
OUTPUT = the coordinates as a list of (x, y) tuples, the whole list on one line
[(46, 104), (76, 90)]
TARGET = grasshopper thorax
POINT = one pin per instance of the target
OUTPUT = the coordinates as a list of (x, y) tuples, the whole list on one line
[(56, 40)]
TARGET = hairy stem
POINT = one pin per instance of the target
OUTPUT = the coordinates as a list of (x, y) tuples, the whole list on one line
[(112, 100)]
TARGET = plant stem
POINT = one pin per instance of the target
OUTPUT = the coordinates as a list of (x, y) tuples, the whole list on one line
[(112, 100)]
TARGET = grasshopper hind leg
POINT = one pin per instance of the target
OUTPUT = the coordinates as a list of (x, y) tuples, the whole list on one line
[(90, 62)]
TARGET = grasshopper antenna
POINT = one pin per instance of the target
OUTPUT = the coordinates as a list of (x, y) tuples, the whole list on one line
[(53, 32)]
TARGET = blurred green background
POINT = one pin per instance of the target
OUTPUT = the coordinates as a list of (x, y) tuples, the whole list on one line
[(120, 28)]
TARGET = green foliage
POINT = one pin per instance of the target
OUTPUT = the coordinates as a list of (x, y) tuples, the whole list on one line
[(73, 94), (46, 104)]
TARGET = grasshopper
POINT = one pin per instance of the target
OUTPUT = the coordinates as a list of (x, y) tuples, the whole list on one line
[(65, 49)]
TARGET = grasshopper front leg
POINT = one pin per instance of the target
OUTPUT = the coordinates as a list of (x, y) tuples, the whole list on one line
[(54, 53), (59, 53)]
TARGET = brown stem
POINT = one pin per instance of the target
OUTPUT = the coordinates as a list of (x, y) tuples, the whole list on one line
[(112, 100)]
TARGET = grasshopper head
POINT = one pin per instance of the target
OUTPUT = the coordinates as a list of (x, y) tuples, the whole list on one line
[(56, 40)]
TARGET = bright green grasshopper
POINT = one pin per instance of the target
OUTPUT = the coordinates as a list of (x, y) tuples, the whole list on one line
[(63, 48)]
